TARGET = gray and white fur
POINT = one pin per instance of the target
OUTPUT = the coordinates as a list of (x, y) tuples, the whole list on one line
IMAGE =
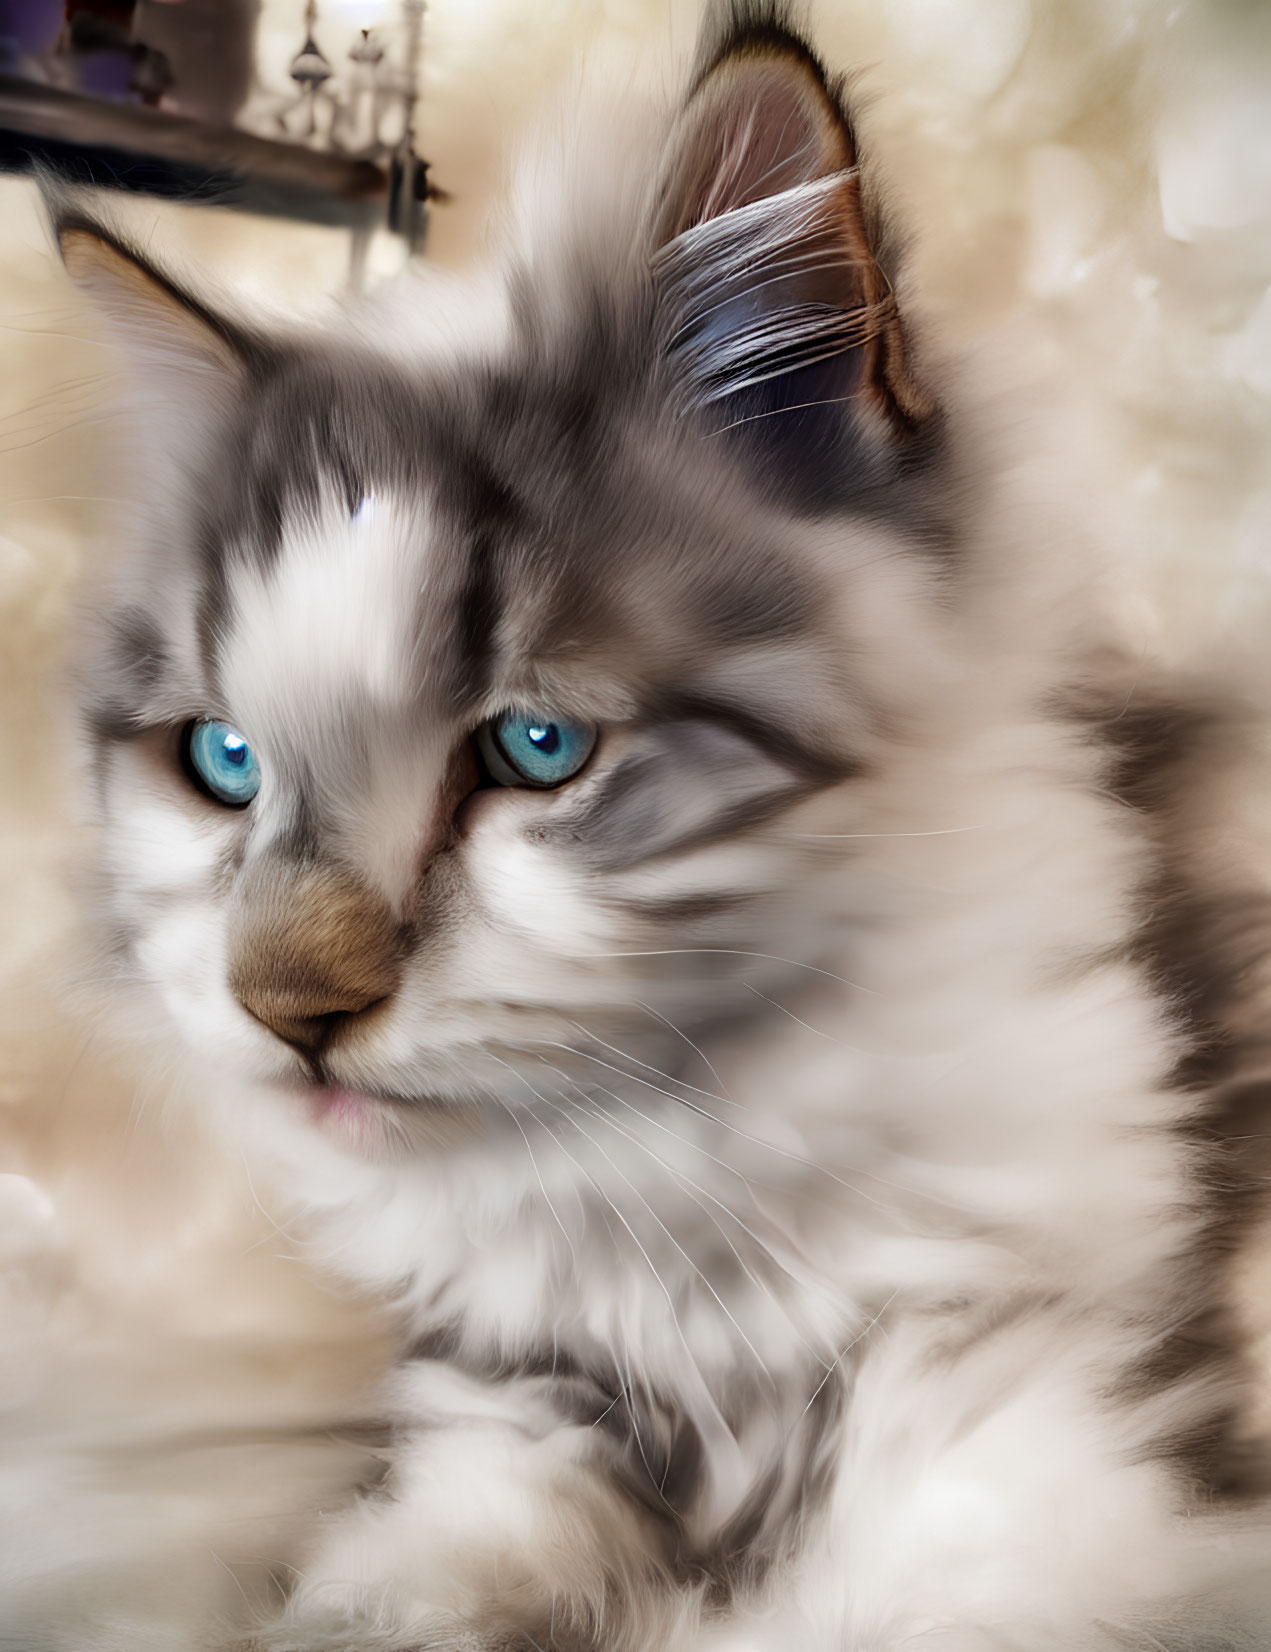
[(796, 1145)]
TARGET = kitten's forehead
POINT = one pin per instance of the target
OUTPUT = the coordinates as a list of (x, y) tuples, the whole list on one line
[(516, 519), (334, 615)]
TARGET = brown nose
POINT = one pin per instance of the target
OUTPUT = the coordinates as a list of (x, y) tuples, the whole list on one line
[(314, 948)]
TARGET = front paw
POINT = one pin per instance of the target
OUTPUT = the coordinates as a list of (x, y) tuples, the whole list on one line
[(446, 1635), (350, 1624)]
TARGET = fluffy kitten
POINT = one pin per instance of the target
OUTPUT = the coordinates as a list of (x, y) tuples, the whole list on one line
[(631, 826)]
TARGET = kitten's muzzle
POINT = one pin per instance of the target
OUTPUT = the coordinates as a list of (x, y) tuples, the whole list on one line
[(318, 950)]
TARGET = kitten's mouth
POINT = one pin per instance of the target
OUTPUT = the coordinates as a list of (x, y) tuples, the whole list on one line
[(379, 1127), (354, 1117), (333, 1103)]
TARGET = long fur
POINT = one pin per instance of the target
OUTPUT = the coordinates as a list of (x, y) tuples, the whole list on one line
[(798, 1149)]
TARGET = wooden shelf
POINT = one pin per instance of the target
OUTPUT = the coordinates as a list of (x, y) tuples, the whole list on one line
[(148, 151)]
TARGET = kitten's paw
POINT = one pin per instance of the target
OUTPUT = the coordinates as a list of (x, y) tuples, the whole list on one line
[(444, 1635), (351, 1621)]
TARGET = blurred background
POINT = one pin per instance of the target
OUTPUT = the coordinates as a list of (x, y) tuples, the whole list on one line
[(1087, 185)]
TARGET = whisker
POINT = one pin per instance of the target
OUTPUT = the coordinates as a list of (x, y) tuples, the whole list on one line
[(631, 1231), (51, 332), (279, 1229), (614, 1401), (666, 1230), (692, 1188), (780, 1152), (628, 1394), (649, 1068), (697, 1050), (843, 837), (730, 952), (538, 1173), (51, 435), (847, 1350), (763, 1245), (63, 498), (775, 412), (755, 1141), (628, 1388), (604, 1195), (811, 261), (796, 1018), (649, 1118), (684, 1141)]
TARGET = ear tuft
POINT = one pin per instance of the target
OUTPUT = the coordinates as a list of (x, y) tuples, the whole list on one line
[(779, 303)]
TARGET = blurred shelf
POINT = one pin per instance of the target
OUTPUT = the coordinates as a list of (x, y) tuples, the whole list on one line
[(125, 146)]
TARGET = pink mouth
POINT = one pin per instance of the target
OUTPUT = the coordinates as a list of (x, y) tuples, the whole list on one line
[(346, 1113)]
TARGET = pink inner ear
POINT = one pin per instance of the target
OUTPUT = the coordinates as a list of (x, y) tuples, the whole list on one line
[(757, 126), (765, 242)]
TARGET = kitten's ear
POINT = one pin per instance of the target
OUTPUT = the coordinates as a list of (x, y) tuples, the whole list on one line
[(778, 302), (165, 332), (185, 366)]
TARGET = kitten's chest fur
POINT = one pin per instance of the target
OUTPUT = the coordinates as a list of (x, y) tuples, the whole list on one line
[(949, 1153)]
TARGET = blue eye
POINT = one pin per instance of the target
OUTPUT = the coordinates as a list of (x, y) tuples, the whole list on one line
[(523, 749), (222, 762)]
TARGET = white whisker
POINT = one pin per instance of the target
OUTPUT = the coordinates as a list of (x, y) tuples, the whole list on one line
[(696, 1048), (775, 412), (756, 1141), (770, 1147), (649, 1068), (635, 1238), (843, 837), (539, 1174), (842, 1355), (796, 1018), (728, 952), (693, 1188), (666, 1230)]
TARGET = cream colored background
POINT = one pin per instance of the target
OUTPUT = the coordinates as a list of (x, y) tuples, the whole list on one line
[(1092, 176)]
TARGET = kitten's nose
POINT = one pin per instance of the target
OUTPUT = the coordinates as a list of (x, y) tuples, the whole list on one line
[(314, 949), (306, 1033)]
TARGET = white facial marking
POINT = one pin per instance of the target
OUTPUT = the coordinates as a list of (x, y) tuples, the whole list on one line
[(334, 614)]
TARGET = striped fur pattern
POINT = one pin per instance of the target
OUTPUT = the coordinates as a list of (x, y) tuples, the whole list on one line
[(782, 1141)]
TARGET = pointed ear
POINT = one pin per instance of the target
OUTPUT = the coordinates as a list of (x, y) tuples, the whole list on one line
[(146, 309), (778, 303), (185, 365), (162, 328)]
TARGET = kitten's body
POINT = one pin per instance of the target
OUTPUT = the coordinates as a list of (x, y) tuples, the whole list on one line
[(799, 1205)]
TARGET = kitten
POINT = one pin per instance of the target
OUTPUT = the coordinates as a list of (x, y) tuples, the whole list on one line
[(683, 896)]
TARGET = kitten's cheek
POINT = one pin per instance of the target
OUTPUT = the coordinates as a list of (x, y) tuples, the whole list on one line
[(179, 952), (184, 959), (491, 809)]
